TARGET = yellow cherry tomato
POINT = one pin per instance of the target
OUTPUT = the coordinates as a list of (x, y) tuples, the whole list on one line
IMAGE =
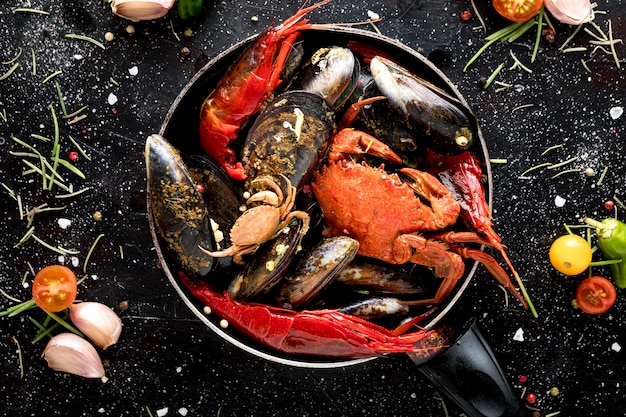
[(570, 254)]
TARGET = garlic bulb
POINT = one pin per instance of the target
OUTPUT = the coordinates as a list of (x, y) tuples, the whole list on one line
[(98, 322), (137, 10), (572, 12), (67, 352)]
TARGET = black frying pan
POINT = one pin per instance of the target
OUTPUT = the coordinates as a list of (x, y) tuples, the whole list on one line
[(467, 371)]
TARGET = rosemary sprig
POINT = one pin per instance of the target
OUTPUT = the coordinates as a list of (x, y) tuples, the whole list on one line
[(510, 34)]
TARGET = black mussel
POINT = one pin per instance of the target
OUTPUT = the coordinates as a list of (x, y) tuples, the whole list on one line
[(380, 278), (293, 61), (224, 201), (268, 265), (289, 137), (380, 121), (180, 214), (375, 308), (448, 125), (315, 271), (332, 72)]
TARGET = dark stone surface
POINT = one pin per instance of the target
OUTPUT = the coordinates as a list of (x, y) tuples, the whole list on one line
[(166, 358)]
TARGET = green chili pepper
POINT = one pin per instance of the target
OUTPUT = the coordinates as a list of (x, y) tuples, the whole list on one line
[(188, 8), (612, 242)]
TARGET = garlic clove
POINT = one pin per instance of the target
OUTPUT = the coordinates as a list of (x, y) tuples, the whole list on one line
[(137, 10), (67, 352), (571, 12), (98, 322)]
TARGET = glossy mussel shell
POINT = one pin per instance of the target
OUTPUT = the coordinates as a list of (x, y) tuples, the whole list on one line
[(268, 265), (180, 214), (317, 270), (289, 137), (331, 72), (448, 126)]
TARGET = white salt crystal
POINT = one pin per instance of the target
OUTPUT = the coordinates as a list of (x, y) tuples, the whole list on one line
[(559, 201), (64, 223), (616, 112)]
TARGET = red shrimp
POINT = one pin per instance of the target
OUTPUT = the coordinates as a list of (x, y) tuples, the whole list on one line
[(245, 87), (462, 174), (324, 333)]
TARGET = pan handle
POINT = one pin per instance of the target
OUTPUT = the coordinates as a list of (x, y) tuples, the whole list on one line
[(468, 374)]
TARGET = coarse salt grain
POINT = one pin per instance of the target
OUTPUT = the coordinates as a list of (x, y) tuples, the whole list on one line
[(519, 335), (373, 15), (182, 411), (133, 70), (64, 223), (559, 201), (616, 112), (112, 99), (163, 411), (616, 347)]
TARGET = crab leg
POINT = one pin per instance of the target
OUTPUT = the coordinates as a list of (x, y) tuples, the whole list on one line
[(492, 266), (419, 250), (350, 141)]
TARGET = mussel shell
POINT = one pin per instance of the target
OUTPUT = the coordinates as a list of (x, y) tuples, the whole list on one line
[(444, 121), (380, 278), (222, 197), (375, 308), (332, 72), (383, 123), (289, 137), (180, 214), (315, 271), (268, 265)]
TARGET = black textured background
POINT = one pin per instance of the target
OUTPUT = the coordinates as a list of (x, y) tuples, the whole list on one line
[(166, 361)]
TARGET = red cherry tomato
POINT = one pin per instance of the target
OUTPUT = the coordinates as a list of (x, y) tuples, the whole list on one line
[(54, 288), (518, 10), (595, 295)]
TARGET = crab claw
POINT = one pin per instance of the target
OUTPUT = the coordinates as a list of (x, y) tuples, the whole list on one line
[(350, 141)]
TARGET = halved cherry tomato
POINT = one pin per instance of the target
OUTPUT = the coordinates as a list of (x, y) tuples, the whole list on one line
[(570, 254), (54, 288), (518, 10), (595, 295)]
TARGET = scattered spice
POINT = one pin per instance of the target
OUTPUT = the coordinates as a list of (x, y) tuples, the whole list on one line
[(93, 245), (531, 398), (466, 16), (19, 355), (9, 71), (29, 10), (85, 38)]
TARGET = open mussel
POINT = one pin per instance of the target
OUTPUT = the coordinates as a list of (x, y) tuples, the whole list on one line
[(268, 265), (289, 137), (223, 199), (377, 119), (179, 211), (447, 125)]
